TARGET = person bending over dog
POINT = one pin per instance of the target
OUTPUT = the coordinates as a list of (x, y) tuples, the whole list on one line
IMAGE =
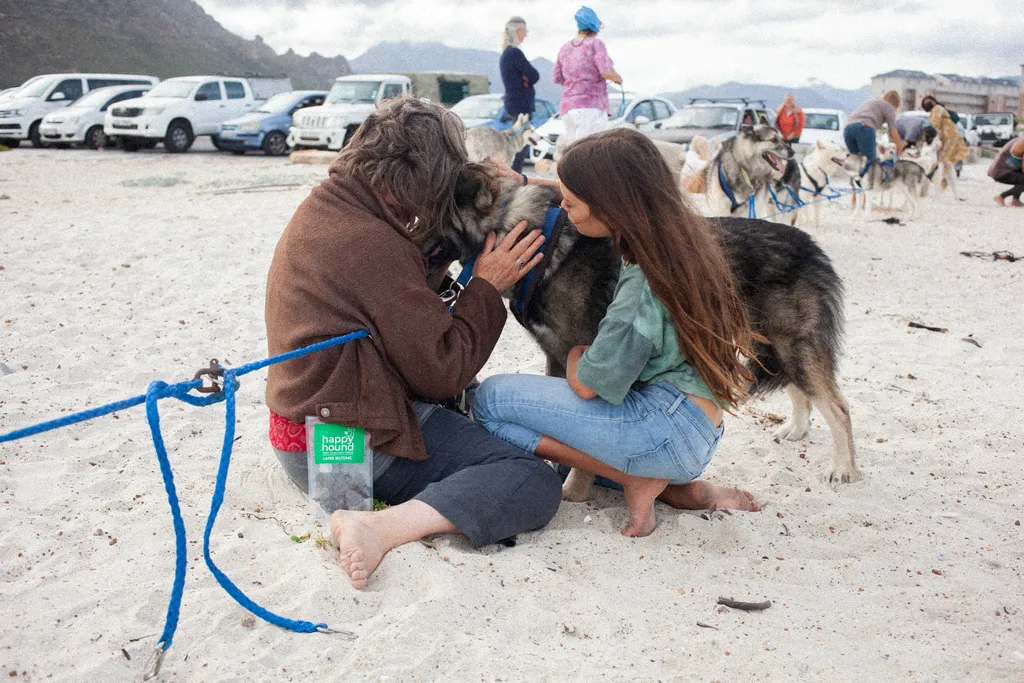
[(859, 133), (643, 404), (351, 258)]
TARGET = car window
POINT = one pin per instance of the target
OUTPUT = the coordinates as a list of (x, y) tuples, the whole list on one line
[(762, 117), (130, 95), (234, 89), (549, 110), (71, 87), (661, 110), (208, 91), (314, 101), (95, 83), (748, 117), (391, 91), (642, 108)]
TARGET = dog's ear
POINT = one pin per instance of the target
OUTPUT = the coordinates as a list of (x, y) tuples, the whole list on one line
[(473, 188)]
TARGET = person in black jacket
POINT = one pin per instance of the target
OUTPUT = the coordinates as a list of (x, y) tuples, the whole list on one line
[(518, 77)]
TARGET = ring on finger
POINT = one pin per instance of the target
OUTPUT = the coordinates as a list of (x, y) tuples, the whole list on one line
[(520, 264)]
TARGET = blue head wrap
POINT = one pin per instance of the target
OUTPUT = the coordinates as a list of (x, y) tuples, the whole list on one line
[(586, 20)]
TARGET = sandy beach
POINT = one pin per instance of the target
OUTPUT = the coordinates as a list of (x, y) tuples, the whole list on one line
[(117, 269)]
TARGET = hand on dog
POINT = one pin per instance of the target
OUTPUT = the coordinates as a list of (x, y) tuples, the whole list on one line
[(500, 265)]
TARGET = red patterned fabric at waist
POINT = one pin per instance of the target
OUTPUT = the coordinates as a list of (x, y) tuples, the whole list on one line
[(286, 435)]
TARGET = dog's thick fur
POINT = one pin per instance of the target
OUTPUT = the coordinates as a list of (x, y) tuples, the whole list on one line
[(792, 295), (906, 177), (483, 142), (750, 162)]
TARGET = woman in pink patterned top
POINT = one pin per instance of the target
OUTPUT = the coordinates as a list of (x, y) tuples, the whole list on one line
[(582, 68)]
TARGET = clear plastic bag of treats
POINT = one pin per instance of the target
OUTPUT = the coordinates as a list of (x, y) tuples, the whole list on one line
[(340, 462)]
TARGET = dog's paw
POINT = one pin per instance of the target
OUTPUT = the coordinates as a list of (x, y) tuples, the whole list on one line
[(841, 475), (792, 431), (576, 488)]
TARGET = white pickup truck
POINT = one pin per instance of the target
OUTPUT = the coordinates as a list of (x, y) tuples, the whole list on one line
[(350, 101), (178, 110)]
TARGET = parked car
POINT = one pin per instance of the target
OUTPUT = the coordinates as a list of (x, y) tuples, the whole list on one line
[(178, 110), (640, 112), (350, 100), (489, 110), (715, 119), (995, 129), (266, 127), (22, 113), (823, 124), (82, 122)]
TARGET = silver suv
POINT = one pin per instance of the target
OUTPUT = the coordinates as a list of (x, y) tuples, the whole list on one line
[(715, 119)]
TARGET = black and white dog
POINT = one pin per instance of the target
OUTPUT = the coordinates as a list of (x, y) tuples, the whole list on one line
[(794, 298), (746, 166)]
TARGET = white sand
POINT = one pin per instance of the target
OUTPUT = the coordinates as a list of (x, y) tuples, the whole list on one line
[(902, 576)]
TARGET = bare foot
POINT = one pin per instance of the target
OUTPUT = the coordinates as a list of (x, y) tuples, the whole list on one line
[(999, 200), (640, 496), (360, 548), (700, 495), (1017, 202)]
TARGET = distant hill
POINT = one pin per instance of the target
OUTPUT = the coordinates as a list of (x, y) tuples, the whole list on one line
[(161, 38), (406, 56), (814, 94)]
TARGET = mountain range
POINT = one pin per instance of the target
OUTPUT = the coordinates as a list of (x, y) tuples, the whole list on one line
[(167, 38), (161, 38)]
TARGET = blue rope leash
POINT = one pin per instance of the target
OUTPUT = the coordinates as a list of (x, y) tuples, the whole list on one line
[(159, 390)]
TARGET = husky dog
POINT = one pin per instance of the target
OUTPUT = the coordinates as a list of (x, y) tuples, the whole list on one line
[(821, 164), (745, 166), (483, 142), (926, 155), (793, 297), (889, 174)]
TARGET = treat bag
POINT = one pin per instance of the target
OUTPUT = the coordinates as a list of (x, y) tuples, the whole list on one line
[(340, 464)]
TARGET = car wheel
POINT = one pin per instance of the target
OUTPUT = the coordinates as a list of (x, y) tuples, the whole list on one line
[(127, 145), (179, 137), (215, 139), (95, 137), (275, 144), (34, 137)]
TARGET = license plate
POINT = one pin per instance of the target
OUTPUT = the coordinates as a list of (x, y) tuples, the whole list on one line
[(124, 125)]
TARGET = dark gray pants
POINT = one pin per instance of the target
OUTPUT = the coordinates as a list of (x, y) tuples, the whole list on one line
[(488, 489)]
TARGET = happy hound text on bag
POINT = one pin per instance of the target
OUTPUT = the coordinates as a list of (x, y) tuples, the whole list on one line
[(337, 444)]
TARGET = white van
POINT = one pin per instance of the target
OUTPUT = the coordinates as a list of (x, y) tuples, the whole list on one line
[(82, 122), (22, 113)]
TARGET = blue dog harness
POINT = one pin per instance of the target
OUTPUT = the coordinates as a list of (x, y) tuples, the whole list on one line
[(554, 222), (751, 211)]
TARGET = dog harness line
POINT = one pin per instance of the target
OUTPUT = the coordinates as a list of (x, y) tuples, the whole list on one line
[(554, 222)]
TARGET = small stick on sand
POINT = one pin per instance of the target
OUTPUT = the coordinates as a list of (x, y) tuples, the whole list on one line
[(928, 327), (746, 606), (703, 625)]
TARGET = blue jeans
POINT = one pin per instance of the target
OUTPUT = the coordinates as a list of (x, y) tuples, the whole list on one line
[(860, 139), (657, 431)]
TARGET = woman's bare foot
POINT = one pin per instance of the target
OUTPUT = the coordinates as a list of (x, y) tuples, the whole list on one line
[(640, 496), (700, 495), (999, 200), (360, 547)]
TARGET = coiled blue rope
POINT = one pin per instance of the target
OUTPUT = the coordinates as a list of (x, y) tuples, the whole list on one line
[(159, 390)]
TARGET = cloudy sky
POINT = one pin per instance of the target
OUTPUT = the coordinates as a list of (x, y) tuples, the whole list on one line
[(660, 45)]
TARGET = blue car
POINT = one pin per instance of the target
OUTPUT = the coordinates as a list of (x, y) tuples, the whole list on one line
[(489, 110), (266, 127)]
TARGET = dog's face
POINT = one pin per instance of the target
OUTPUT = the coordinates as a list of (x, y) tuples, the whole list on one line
[(831, 157), (762, 151)]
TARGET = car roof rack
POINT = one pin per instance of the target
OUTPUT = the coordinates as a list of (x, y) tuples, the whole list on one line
[(728, 100)]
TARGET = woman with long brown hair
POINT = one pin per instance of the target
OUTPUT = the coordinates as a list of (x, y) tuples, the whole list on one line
[(643, 404)]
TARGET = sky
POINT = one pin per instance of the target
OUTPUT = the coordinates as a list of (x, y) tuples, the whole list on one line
[(664, 45)]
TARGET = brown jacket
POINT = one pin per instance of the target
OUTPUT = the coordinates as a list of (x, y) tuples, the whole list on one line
[(346, 263)]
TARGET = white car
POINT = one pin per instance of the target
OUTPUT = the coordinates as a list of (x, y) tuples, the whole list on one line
[(22, 113), (178, 110), (350, 100), (629, 110), (995, 129), (825, 125), (82, 122)]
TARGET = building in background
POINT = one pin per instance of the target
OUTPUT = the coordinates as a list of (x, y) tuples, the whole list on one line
[(963, 94)]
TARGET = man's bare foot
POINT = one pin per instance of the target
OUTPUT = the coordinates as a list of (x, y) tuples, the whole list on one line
[(360, 548), (640, 496), (999, 200), (700, 495), (1017, 202)]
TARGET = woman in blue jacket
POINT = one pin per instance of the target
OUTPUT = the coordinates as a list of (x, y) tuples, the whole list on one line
[(518, 77)]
